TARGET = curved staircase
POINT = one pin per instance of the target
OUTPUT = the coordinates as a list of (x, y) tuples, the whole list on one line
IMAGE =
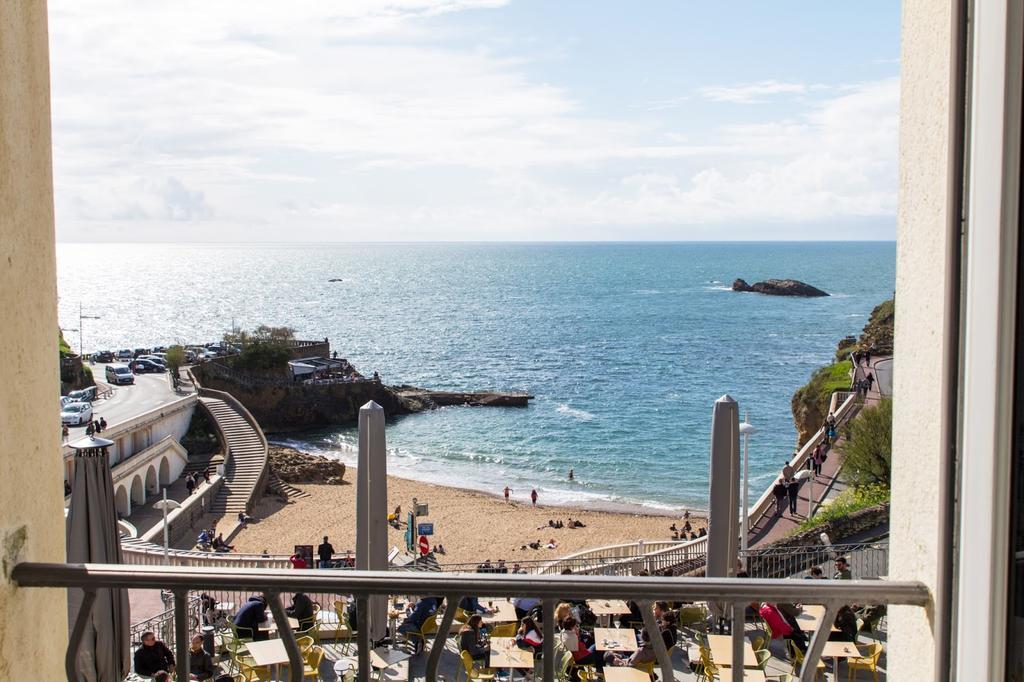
[(246, 469)]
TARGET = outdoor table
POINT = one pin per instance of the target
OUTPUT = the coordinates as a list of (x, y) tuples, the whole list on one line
[(837, 650), (727, 675), (810, 618), (615, 639), (383, 658), (504, 611), (721, 651), (606, 608), (505, 654), (270, 652), (625, 673)]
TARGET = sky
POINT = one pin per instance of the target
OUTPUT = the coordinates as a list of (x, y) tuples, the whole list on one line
[(451, 120)]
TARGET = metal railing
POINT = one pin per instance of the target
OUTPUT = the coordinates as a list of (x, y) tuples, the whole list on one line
[(727, 597), (866, 560)]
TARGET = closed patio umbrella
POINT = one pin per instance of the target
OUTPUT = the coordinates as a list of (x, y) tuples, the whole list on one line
[(92, 537), (372, 511), (723, 514)]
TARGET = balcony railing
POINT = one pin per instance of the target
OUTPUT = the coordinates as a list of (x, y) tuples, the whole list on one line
[(727, 597)]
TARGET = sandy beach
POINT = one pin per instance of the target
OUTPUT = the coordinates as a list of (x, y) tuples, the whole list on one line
[(471, 525)]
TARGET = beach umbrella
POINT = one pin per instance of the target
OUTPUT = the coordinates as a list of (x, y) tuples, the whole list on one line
[(372, 511), (93, 537), (724, 495)]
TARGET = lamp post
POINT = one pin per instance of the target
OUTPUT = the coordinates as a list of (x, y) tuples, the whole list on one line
[(746, 430), (807, 474), (164, 505), (81, 317)]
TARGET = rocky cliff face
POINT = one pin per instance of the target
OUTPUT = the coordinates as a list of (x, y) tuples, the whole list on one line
[(779, 287)]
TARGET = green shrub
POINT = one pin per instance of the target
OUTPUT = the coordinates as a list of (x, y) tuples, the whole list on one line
[(867, 451), (263, 348), (845, 503)]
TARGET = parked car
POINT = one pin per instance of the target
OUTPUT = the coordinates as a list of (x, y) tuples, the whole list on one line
[(139, 352), (120, 374), (154, 358), (190, 356), (65, 400), (85, 395), (76, 413), (141, 366), (124, 354), (103, 356)]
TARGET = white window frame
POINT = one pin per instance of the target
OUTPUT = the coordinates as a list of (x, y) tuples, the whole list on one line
[(989, 315)]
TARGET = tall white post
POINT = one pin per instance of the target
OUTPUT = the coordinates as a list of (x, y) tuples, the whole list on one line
[(745, 429), (166, 541)]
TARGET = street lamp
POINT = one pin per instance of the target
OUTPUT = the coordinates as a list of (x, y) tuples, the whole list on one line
[(81, 317), (746, 430), (807, 474), (164, 505)]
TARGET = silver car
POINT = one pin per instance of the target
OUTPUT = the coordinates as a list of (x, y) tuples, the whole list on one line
[(76, 414)]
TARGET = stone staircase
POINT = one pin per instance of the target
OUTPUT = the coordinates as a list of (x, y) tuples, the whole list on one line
[(247, 455), (286, 490)]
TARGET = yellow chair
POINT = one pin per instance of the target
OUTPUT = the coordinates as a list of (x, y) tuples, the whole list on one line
[(694, 617), (649, 666), (708, 670), (587, 673), (759, 643), (252, 674), (868, 662), (797, 657), (314, 659), (461, 615), (344, 631), (763, 656), (505, 630), (472, 672), (305, 644)]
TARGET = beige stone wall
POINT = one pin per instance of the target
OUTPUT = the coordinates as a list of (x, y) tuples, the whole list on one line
[(33, 622), (921, 279)]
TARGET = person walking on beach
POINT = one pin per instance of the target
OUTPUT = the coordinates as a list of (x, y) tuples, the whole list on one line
[(533, 496), (779, 491), (507, 491), (793, 490)]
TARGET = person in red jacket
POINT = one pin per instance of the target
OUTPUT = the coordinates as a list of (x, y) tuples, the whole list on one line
[(297, 561), (779, 627)]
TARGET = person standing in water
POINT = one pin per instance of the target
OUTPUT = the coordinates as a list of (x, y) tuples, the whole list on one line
[(572, 476), (533, 496)]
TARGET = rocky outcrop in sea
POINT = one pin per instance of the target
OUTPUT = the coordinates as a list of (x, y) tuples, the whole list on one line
[(779, 287), (294, 466)]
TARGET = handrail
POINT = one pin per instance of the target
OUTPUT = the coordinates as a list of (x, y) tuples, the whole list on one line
[(729, 597), (765, 503)]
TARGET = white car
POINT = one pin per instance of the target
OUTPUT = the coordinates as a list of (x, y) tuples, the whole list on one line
[(76, 414)]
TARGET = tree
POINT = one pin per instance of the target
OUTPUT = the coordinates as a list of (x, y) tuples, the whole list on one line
[(263, 348), (175, 357), (868, 447)]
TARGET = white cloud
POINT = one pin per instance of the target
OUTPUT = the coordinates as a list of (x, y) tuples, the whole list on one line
[(378, 120), (750, 93)]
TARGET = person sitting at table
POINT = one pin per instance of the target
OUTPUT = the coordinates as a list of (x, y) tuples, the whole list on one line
[(425, 608), (200, 663), (529, 637), (153, 656), (667, 623), (472, 605), (523, 605), (846, 623), (562, 611), (584, 652), (780, 628), (471, 640), (302, 610), (248, 619), (644, 654)]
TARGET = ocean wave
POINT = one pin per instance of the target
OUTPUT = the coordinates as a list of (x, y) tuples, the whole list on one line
[(574, 412), (718, 287)]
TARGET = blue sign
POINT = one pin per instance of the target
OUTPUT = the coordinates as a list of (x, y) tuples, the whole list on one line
[(425, 529)]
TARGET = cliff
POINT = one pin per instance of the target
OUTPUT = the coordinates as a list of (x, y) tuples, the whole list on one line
[(295, 466), (810, 402)]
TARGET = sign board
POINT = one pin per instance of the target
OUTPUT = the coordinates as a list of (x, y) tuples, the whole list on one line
[(425, 529), (422, 510), (306, 552), (424, 545)]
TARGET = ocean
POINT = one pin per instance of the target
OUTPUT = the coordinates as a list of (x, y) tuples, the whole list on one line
[(625, 346)]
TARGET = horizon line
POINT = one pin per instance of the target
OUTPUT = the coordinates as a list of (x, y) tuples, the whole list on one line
[(489, 241)]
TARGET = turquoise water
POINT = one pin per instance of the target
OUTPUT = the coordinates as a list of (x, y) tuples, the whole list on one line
[(625, 346)]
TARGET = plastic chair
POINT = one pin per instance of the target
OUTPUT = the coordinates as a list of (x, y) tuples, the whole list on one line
[(313, 660), (708, 669), (253, 674), (305, 644), (343, 631), (504, 630), (763, 656), (797, 657), (472, 672), (759, 643), (694, 617), (868, 662)]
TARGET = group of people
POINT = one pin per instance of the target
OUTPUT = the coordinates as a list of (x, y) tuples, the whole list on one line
[(572, 636), (94, 427), (193, 478), (207, 540), (686, 532), (787, 488), (558, 523), (533, 494), (154, 659)]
